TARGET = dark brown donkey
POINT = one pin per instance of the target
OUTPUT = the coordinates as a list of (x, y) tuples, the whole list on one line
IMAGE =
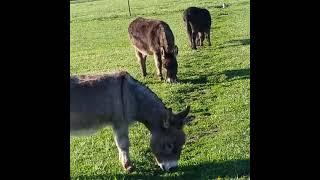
[(118, 100), (154, 37), (198, 24)]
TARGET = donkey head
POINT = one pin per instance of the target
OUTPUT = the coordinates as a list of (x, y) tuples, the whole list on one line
[(167, 142), (170, 64)]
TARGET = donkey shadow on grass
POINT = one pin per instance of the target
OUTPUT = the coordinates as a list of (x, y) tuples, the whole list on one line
[(235, 42), (237, 74), (240, 41), (220, 77), (206, 170)]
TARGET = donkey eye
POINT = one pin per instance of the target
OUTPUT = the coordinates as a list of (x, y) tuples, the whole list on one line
[(168, 148)]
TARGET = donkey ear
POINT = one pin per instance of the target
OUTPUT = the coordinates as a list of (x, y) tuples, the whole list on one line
[(166, 121), (183, 114), (181, 118), (176, 50), (188, 119)]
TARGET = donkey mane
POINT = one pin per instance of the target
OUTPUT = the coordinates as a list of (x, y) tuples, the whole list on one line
[(94, 80), (145, 90), (167, 43)]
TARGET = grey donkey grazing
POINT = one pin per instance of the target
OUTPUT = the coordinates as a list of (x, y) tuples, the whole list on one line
[(117, 100)]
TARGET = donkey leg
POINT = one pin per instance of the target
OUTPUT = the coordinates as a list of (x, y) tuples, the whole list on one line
[(201, 34), (194, 39), (122, 142), (198, 40), (142, 61), (158, 63), (189, 32), (208, 37)]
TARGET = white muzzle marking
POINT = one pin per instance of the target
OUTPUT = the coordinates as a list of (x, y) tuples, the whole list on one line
[(167, 165)]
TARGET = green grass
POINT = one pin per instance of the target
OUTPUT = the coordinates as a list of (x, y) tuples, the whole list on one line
[(215, 82)]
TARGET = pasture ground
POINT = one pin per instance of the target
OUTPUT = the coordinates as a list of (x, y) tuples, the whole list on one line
[(215, 81)]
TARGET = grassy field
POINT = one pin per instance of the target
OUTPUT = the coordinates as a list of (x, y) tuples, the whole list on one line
[(215, 81)]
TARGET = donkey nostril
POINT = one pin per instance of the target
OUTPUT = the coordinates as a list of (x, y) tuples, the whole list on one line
[(173, 168)]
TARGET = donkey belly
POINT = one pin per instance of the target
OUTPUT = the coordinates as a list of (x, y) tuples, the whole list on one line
[(143, 50), (84, 124)]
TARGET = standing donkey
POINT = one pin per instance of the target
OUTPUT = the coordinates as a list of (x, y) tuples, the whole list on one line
[(118, 99), (198, 24), (154, 37)]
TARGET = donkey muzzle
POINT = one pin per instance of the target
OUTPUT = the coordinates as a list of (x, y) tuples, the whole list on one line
[(169, 165)]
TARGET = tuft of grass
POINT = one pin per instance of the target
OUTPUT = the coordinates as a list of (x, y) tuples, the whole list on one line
[(215, 81)]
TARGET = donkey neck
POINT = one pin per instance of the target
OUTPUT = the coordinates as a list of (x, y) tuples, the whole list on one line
[(151, 111)]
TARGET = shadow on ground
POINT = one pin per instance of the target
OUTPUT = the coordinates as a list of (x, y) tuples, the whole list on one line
[(240, 41), (207, 170), (199, 80), (235, 42), (237, 74), (228, 75)]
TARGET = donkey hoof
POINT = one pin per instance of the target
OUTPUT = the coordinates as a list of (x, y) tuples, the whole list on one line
[(129, 168)]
